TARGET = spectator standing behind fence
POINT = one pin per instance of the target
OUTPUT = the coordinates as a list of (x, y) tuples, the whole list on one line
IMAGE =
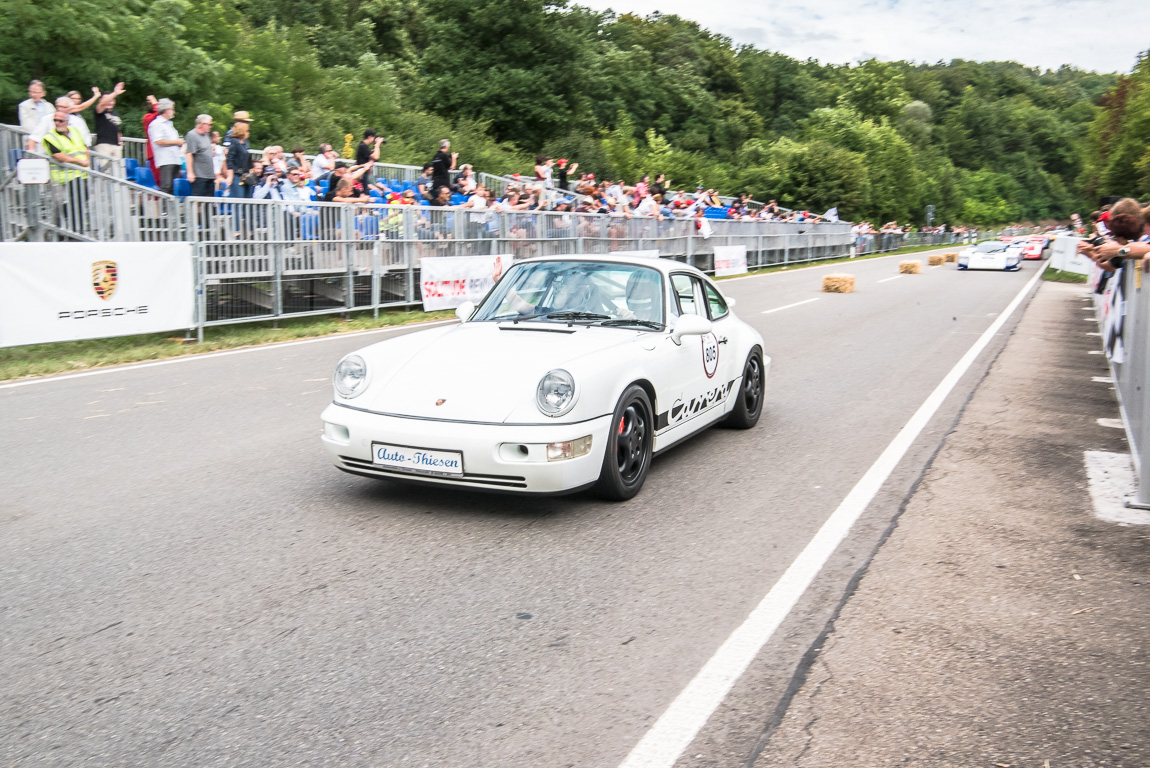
[(166, 142), (238, 160), (562, 169), (34, 108), (109, 136), (65, 105), (79, 105), (442, 164), (198, 154), (66, 145), (368, 149), (150, 151), (219, 160)]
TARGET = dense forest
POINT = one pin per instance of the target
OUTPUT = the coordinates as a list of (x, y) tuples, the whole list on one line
[(984, 142)]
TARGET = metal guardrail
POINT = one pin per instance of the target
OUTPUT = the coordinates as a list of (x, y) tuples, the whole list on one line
[(1125, 321)]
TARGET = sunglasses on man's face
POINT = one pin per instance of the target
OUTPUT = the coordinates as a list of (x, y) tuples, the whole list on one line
[(59, 121)]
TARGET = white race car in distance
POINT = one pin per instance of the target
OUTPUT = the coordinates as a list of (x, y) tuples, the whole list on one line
[(572, 373), (992, 254)]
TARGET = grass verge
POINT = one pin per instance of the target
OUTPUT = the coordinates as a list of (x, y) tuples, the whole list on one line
[(68, 356), (1059, 276)]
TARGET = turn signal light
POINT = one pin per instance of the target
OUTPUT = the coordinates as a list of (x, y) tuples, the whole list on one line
[(569, 449)]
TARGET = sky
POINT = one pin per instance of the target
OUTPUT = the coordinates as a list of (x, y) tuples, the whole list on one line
[(1043, 34)]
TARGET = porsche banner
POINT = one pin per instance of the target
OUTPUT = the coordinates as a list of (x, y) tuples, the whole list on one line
[(70, 291), (448, 281)]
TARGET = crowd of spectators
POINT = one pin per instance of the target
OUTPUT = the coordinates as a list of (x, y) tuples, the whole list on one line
[(213, 164)]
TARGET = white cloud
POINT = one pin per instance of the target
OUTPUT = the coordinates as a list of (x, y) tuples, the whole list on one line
[(1045, 35)]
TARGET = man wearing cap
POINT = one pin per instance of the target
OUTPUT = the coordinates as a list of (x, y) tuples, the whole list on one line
[(166, 143), (198, 156), (565, 169)]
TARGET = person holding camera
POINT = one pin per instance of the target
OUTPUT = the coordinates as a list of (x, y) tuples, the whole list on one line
[(368, 149)]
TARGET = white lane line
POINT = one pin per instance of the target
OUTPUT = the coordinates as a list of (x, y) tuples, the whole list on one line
[(223, 353), (780, 309), (888, 279), (1102, 379), (677, 727)]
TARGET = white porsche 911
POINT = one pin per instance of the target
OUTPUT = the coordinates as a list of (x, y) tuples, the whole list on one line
[(572, 373)]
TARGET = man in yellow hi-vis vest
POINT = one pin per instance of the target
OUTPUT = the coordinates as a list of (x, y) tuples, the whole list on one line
[(66, 145)]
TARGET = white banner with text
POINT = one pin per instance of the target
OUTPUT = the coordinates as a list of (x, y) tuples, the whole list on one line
[(72, 291), (730, 260), (447, 281)]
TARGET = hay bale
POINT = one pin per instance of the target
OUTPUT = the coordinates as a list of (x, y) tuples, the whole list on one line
[(838, 283), (936, 260), (951, 258), (910, 267)]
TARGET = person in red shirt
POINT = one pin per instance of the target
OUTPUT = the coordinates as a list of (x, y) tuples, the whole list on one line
[(148, 118)]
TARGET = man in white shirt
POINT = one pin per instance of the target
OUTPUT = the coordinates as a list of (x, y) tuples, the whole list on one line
[(44, 127), (34, 108), (166, 143), (324, 162)]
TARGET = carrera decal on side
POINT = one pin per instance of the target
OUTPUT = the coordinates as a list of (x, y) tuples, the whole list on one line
[(681, 412)]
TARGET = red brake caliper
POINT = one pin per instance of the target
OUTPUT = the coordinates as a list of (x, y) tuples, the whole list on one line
[(621, 424)]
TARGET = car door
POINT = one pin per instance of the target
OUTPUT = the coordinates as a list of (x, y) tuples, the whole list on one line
[(729, 364), (690, 367)]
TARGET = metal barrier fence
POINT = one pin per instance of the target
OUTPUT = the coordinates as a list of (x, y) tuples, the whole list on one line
[(1125, 320), (263, 259), (87, 205)]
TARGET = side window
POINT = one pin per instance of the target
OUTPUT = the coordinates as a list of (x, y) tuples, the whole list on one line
[(684, 287), (715, 303)]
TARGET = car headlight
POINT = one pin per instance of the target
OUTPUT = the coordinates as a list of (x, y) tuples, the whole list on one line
[(556, 392), (350, 378)]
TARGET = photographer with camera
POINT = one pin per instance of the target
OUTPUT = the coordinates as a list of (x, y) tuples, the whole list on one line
[(368, 149), (1128, 224), (269, 186)]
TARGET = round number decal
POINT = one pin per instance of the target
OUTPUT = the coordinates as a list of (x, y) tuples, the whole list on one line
[(710, 354)]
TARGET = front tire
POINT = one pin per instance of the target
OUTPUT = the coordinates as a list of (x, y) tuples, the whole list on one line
[(749, 398), (630, 443)]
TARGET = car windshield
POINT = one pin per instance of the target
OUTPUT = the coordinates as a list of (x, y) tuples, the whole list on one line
[(991, 246), (620, 295)]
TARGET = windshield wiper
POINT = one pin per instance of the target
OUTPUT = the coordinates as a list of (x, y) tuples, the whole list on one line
[(574, 315), (644, 323)]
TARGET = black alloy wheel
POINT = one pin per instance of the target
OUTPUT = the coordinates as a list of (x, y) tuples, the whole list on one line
[(630, 444), (749, 399)]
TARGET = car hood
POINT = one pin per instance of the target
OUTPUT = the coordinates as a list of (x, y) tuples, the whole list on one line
[(482, 372)]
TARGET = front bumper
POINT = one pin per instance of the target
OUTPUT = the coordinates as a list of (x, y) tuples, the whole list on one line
[(493, 455)]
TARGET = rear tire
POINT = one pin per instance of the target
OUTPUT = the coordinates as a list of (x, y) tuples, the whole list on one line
[(749, 398), (630, 442)]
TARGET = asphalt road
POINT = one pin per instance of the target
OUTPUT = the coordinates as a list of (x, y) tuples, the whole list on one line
[(186, 581)]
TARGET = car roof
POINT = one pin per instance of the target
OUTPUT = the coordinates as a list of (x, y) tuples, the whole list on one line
[(661, 264)]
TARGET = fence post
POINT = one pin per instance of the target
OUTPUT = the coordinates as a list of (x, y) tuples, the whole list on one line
[(410, 251), (275, 232)]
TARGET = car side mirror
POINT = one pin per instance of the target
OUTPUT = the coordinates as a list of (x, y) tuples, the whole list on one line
[(690, 325), (464, 311)]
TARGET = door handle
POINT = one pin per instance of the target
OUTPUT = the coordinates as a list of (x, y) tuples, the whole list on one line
[(722, 339)]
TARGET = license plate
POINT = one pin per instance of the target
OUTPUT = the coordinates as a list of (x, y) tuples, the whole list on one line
[(419, 460)]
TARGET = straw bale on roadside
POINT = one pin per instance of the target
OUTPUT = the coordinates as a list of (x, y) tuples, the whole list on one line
[(913, 267), (838, 283)]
